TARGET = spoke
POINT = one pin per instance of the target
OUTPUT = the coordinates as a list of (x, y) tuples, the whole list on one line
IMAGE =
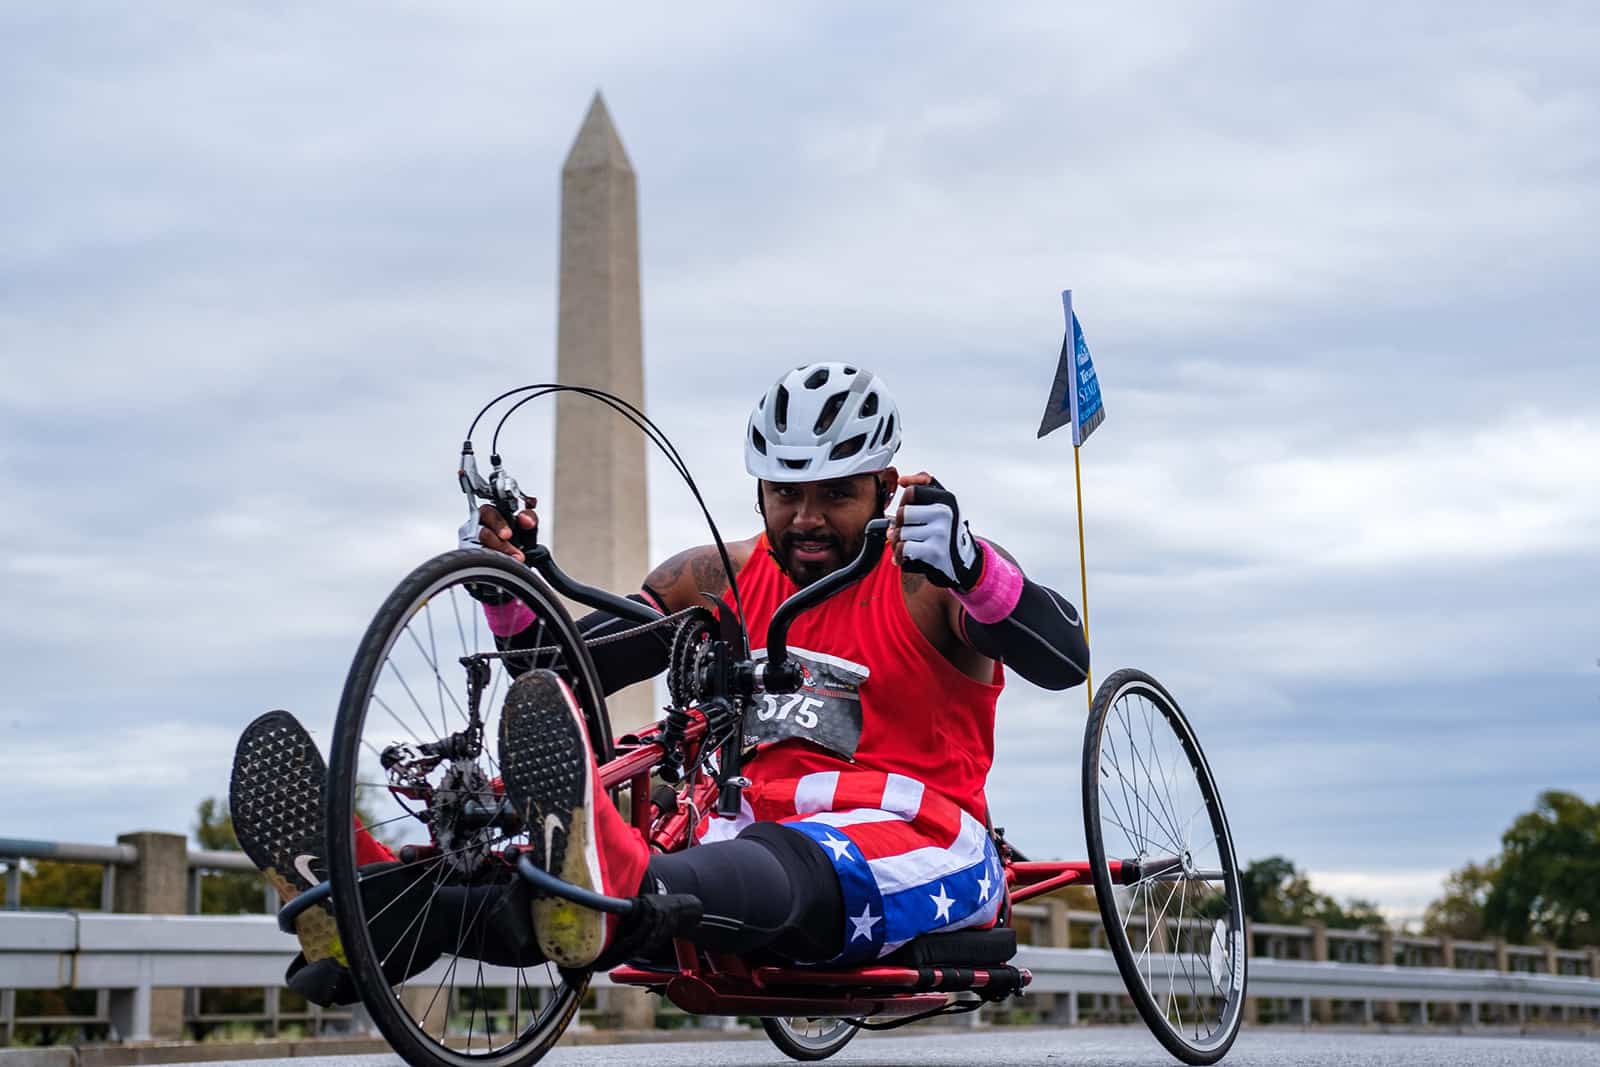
[(1134, 750), (1128, 732), (1176, 950), (404, 685), (1114, 818), (438, 678), (1144, 840), (426, 867), (420, 917), (433, 661), (516, 1004), (1136, 841), (1155, 819), (410, 730), (461, 633), (369, 827), (1170, 808), (1145, 767), (436, 856)]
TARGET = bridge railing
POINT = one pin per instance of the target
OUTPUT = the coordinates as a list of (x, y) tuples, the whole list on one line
[(164, 876), (149, 972)]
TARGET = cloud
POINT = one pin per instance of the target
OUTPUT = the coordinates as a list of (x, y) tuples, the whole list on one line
[(1336, 267)]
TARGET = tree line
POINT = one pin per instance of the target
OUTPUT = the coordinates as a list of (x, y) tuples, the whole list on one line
[(1543, 885)]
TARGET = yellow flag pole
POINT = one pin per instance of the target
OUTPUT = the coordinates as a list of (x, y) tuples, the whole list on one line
[(1083, 572)]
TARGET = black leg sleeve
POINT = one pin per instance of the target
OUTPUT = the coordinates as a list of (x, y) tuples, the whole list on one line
[(772, 887)]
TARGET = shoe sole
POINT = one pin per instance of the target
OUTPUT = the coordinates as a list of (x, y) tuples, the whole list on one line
[(275, 797), (545, 763)]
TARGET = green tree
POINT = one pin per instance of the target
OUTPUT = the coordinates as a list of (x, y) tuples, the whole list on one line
[(1459, 912), (74, 886), (224, 892), (1275, 891), (1547, 885)]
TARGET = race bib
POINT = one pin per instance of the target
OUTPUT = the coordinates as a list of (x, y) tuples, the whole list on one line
[(825, 710)]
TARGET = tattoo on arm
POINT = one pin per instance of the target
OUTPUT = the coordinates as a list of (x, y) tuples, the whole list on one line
[(689, 572), (669, 573), (709, 575)]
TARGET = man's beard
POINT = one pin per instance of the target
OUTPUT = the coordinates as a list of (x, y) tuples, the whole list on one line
[(805, 572)]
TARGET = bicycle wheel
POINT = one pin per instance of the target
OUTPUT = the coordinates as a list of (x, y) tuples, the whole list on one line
[(413, 758), (1165, 877), (808, 1038)]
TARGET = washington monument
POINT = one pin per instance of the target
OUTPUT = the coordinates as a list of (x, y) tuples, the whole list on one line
[(600, 514)]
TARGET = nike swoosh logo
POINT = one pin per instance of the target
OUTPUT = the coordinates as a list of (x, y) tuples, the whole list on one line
[(552, 823), (302, 864)]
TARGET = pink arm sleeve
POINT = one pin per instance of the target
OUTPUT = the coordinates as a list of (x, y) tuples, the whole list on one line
[(509, 618), (998, 590)]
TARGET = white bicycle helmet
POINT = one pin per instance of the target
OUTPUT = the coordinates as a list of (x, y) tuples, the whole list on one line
[(822, 420)]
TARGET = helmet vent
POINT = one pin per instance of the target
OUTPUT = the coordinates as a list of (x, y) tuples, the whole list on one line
[(877, 431), (818, 379), (869, 406), (830, 411), (849, 370), (888, 431), (780, 410), (795, 464), (758, 441), (846, 449)]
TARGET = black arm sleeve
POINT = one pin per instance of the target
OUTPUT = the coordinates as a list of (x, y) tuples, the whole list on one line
[(1042, 639), (622, 663), (618, 663)]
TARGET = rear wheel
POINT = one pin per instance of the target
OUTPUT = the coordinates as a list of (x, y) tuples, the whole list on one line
[(1165, 877), (808, 1038), (413, 759)]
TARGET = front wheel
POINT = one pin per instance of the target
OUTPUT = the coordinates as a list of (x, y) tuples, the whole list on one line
[(1165, 877), (432, 937), (808, 1038)]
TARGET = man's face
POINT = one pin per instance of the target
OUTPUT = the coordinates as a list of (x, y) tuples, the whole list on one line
[(817, 527)]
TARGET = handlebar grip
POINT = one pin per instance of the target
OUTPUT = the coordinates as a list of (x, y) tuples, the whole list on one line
[(523, 539)]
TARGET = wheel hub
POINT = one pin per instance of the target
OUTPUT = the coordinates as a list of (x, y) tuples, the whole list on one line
[(463, 847)]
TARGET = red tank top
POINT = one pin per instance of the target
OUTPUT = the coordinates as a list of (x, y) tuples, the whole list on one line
[(921, 715)]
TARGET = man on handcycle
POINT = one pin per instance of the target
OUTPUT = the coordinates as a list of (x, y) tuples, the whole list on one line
[(864, 821)]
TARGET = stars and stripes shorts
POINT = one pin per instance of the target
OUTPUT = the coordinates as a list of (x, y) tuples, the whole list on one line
[(909, 860)]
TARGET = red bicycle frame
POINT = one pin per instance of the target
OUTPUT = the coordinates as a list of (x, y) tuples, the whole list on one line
[(707, 984)]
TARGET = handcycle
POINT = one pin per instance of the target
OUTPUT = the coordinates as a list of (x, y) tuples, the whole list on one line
[(422, 699)]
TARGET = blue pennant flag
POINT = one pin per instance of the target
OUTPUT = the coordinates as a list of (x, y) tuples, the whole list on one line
[(1075, 394)]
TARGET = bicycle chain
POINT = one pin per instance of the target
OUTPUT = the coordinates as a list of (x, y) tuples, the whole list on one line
[(673, 619)]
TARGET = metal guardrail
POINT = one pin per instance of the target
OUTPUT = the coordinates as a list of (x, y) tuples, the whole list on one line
[(131, 955), (1296, 971)]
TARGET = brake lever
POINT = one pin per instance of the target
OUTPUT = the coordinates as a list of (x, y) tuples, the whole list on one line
[(499, 489)]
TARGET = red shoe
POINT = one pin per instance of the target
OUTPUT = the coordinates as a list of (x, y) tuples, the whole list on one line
[(574, 830)]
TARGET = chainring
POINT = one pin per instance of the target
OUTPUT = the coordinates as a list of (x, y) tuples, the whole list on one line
[(689, 657)]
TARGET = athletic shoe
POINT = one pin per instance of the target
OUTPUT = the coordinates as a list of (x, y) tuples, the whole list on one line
[(574, 830), (275, 796)]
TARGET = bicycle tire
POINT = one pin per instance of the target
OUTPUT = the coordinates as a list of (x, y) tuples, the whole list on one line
[(439, 578), (1169, 854), (799, 1046)]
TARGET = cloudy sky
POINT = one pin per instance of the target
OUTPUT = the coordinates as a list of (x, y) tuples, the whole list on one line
[(260, 263)]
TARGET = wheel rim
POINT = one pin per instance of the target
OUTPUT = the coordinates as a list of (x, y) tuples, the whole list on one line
[(412, 689), (1177, 922), (815, 1034)]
